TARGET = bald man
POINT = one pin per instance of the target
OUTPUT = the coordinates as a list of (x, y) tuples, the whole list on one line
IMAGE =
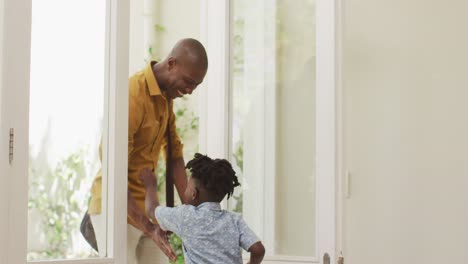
[(151, 95)]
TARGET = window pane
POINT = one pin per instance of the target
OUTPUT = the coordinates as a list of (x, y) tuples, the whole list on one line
[(273, 105), (66, 121)]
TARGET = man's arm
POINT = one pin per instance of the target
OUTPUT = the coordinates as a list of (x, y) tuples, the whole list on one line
[(178, 164), (138, 216), (150, 182), (257, 252), (136, 114), (180, 178), (151, 230), (135, 117)]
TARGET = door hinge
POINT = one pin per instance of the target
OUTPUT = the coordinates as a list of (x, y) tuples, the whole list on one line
[(12, 142)]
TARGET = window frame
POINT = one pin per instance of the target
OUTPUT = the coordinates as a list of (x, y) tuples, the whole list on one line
[(16, 45), (216, 109)]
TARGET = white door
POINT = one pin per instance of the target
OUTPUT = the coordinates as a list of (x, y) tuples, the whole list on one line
[(405, 86), (268, 105), (63, 91)]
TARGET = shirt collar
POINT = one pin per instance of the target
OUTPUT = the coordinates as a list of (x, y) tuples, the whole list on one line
[(210, 206), (151, 80)]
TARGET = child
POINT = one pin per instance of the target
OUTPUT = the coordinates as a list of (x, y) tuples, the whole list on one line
[(209, 234)]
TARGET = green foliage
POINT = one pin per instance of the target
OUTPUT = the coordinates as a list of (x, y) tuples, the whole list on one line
[(159, 28), (239, 158), (153, 54), (176, 243), (238, 45), (55, 192), (239, 203), (187, 121), (239, 154), (54, 195)]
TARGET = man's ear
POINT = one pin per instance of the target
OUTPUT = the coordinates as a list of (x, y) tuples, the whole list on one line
[(171, 63)]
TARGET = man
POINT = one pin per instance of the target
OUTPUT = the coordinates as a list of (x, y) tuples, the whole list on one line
[(151, 96)]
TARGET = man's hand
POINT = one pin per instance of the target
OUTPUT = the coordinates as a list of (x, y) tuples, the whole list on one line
[(160, 237), (148, 178)]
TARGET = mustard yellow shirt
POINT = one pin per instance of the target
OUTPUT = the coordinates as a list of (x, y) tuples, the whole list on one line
[(147, 124)]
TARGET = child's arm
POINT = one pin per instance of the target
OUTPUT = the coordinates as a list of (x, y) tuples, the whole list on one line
[(257, 252), (250, 242), (149, 180), (167, 218)]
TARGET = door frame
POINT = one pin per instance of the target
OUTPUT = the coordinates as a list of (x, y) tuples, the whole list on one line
[(16, 41), (14, 96)]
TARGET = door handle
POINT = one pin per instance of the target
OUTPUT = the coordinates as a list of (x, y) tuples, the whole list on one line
[(340, 259), (326, 259)]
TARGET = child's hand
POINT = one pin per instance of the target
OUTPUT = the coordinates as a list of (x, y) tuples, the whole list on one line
[(147, 177)]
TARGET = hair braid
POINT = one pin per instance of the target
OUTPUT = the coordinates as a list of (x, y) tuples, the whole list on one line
[(216, 176)]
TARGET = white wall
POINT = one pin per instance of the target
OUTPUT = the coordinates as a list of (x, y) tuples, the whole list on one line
[(406, 126)]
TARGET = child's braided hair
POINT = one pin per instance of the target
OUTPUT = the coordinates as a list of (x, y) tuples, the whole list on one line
[(216, 176)]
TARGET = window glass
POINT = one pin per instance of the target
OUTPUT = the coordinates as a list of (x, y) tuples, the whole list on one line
[(66, 122), (273, 109)]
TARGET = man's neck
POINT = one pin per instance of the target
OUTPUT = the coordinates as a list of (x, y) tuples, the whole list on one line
[(156, 67)]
